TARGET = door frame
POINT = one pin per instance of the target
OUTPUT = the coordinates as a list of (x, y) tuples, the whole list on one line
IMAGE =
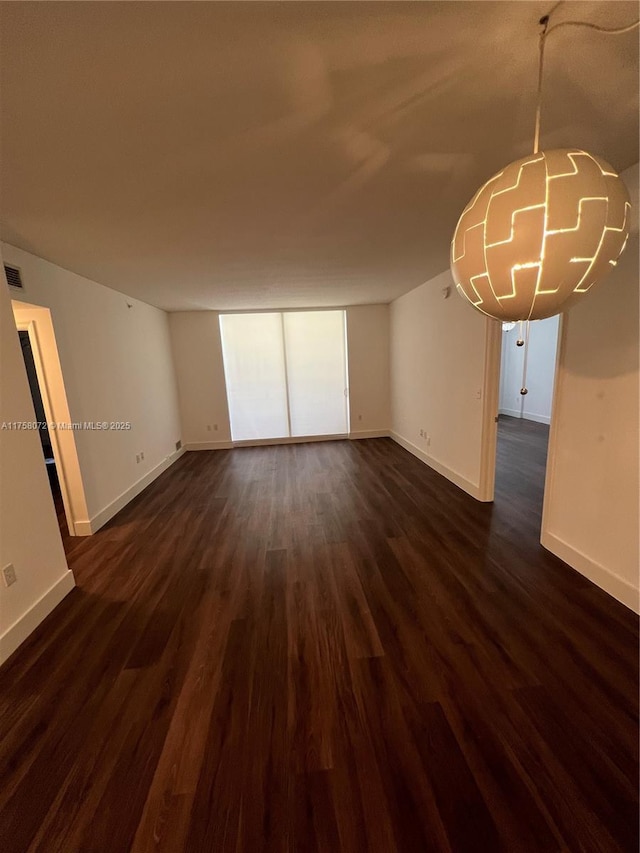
[(49, 373), (491, 396), (490, 403)]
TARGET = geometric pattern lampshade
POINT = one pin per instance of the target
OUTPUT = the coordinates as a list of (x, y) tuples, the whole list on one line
[(539, 234)]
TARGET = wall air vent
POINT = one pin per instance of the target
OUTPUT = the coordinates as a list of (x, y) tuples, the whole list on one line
[(14, 277)]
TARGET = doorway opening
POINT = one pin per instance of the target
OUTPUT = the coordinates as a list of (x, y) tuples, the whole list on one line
[(524, 418), (43, 429), (58, 439)]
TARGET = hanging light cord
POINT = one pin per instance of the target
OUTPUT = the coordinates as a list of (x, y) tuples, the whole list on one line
[(545, 33), (614, 31), (524, 390), (536, 136)]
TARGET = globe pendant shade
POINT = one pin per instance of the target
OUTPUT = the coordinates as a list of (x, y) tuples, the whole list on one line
[(539, 234)]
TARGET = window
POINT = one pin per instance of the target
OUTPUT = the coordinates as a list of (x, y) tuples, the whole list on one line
[(285, 373)]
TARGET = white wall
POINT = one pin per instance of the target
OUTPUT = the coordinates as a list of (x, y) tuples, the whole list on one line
[(197, 355), (591, 507), (439, 348), (541, 367), (29, 533), (369, 370), (117, 366)]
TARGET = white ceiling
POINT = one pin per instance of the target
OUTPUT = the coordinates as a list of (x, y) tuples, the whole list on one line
[(241, 155)]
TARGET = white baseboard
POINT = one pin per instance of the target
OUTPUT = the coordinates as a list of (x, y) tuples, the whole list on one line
[(527, 416), (540, 419), (466, 485), (29, 621), (101, 518), (82, 527), (302, 439), (607, 580), (369, 433), (208, 445)]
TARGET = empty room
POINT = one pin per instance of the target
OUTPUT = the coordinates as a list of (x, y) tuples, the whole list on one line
[(319, 427)]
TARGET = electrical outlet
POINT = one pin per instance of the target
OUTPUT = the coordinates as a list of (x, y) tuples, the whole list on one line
[(9, 574), (215, 427), (137, 458), (421, 433), (359, 417), (142, 455), (208, 427)]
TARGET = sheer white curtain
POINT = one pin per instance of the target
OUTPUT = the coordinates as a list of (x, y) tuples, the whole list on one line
[(316, 367), (254, 368), (285, 373)]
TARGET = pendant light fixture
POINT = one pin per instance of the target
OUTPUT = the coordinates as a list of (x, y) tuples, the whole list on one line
[(542, 231)]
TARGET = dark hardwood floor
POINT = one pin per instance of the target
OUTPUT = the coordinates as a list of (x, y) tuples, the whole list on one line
[(324, 647)]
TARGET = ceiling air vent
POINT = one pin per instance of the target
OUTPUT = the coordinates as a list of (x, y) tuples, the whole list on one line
[(14, 278)]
